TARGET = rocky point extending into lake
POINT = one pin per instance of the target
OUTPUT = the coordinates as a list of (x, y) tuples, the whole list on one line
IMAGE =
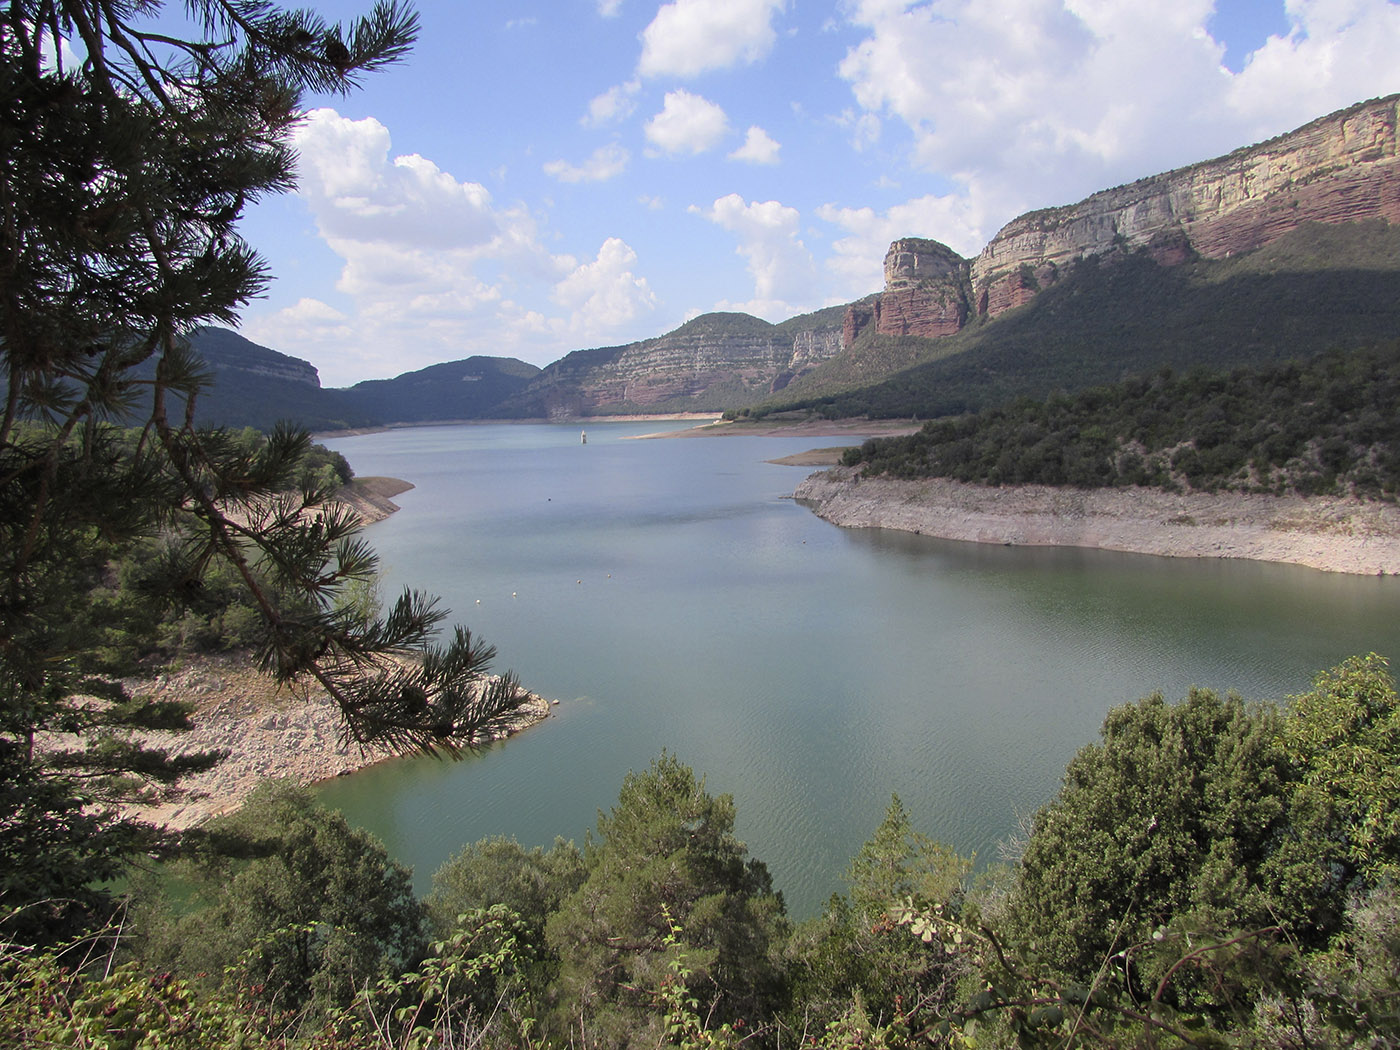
[(1336, 535), (268, 732)]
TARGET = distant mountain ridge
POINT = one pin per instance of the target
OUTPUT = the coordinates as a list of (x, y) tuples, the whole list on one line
[(713, 362), (256, 386), (1341, 168), (467, 389), (1288, 247)]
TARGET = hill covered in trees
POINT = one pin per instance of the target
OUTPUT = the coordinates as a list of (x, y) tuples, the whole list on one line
[(1328, 425), (1212, 873), (1317, 288)]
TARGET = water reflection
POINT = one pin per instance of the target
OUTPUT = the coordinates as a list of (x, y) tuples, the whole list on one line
[(672, 597)]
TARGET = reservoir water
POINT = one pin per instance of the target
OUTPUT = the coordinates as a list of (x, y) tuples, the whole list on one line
[(671, 595)]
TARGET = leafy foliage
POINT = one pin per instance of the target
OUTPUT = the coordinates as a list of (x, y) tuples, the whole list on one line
[(500, 871), (667, 852), (1173, 822), (318, 910), (124, 176), (940, 964), (851, 953), (1209, 819), (1324, 426), (1343, 738)]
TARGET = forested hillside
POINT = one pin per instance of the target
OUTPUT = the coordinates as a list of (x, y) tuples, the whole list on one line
[(1317, 288), (1213, 873), (1329, 425)]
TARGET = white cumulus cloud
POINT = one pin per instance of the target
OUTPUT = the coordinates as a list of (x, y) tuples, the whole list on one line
[(687, 123), (1336, 52), (781, 265), (604, 294), (432, 268), (690, 37), (857, 259), (1016, 104), (359, 195), (603, 163), (614, 104), (758, 148)]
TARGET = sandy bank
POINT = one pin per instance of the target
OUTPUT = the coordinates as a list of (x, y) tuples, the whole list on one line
[(268, 732), (1336, 535), (372, 498)]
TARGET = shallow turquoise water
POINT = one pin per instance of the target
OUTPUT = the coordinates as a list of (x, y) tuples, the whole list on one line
[(672, 596)]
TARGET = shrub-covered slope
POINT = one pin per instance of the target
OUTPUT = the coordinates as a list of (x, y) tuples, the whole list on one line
[(1319, 287), (1329, 425)]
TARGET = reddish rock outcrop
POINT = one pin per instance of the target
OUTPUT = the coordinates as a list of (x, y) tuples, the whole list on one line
[(926, 293), (1340, 168)]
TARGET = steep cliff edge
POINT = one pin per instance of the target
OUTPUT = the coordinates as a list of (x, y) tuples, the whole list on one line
[(1341, 168), (713, 362), (928, 293)]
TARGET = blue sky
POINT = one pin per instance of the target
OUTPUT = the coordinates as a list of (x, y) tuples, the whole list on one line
[(541, 177)]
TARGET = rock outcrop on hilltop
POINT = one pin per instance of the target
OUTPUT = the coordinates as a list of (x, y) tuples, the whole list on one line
[(714, 362), (1341, 168), (927, 293), (227, 352)]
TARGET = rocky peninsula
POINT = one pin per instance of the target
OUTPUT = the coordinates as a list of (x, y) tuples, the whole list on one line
[(268, 731), (1334, 535)]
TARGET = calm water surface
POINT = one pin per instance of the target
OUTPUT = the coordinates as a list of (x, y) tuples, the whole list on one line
[(671, 596)]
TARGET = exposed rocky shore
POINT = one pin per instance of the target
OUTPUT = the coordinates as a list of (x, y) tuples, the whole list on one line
[(1335, 535), (268, 732), (372, 498)]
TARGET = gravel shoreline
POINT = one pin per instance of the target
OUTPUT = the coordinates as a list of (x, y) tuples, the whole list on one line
[(268, 733), (1334, 535)]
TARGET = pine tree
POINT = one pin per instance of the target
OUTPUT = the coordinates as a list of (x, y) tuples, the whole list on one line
[(128, 154)]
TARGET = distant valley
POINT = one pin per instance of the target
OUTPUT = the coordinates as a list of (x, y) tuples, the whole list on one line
[(1278, 250)]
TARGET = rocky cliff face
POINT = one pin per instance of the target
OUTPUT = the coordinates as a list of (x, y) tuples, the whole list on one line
[(1340, 168), (714, 362), (226, 351), (926, 293)]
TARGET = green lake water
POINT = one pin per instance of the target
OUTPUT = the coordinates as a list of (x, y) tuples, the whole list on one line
[(671, 595)]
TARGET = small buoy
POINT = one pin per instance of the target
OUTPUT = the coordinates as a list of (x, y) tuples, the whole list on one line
[(478, 601), (578, 581), (512, 594)]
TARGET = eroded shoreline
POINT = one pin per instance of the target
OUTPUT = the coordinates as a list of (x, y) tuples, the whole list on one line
[(268, 733), (1333, 535)]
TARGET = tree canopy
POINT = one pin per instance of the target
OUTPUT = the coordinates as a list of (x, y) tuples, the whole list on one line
[(1321, 426), (1211, 816), (131, 141), (666, 853)]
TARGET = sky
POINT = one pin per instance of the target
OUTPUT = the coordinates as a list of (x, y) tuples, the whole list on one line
[(542, 176)]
